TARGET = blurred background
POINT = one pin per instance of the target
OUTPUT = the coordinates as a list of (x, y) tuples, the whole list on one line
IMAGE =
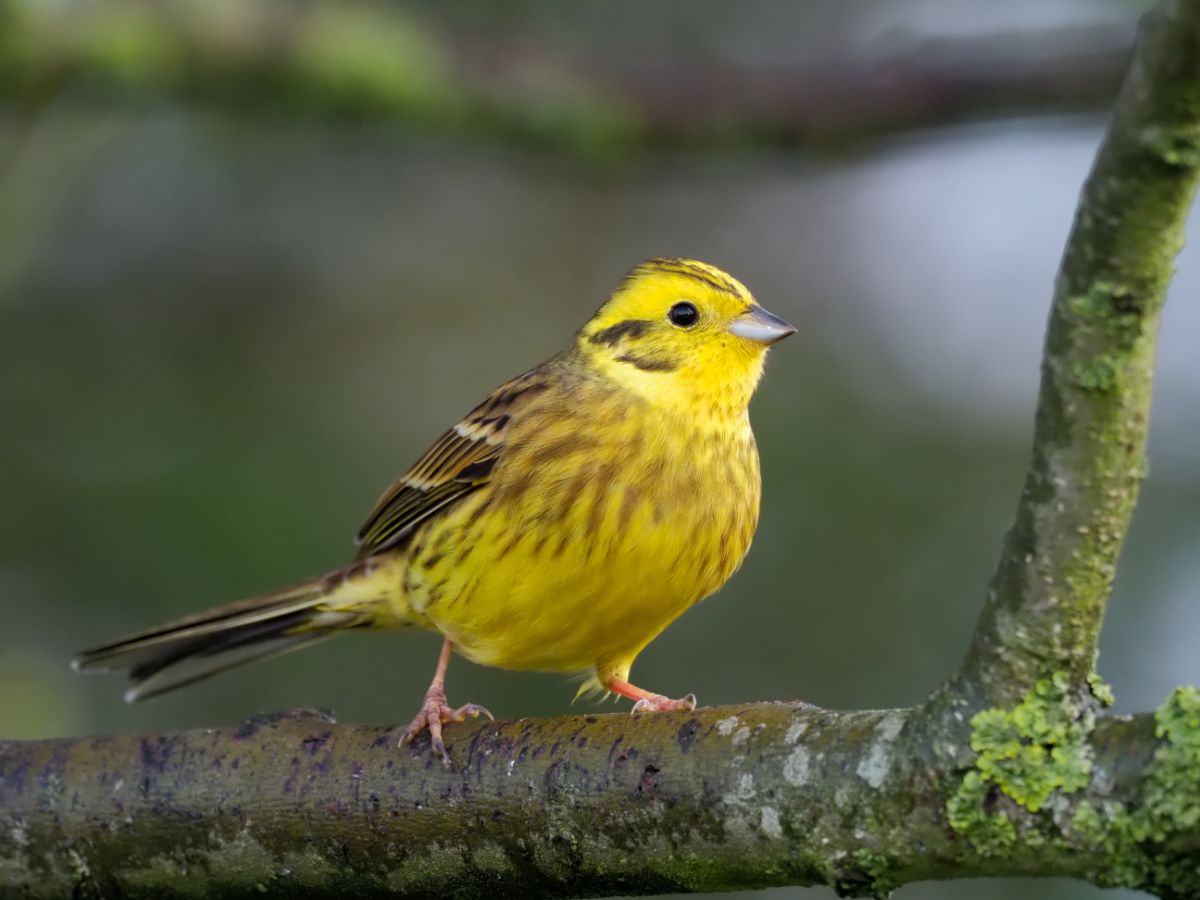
[(255, 257)]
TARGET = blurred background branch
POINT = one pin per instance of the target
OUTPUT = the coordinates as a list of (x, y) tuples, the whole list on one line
[(380, 62)]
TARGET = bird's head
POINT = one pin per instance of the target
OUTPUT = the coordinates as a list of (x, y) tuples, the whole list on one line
[(682, 334)]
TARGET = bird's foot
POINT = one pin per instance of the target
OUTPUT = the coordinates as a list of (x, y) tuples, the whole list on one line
[(435, 713), (659, 703)]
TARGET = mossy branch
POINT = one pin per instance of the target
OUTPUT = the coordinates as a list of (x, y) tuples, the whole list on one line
[(1012, 769), (375, 62), (1046, 600), (768, 794)]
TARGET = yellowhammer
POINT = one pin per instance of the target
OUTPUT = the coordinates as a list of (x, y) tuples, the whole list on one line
[(560, 526)]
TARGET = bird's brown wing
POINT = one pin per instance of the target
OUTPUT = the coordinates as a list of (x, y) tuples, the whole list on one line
[(459, 463)]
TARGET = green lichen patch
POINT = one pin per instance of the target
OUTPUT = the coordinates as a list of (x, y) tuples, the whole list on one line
[(1100, 690), (1172, 800), (865, 873), (971, 813), (1139, 841), (1116, 314), (1038, 747), (1025, 754), (1110, 828), (1176, 146), (1114, 308), (1101, 373)]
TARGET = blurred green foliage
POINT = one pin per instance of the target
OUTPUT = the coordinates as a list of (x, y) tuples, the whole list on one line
[(348, 61)]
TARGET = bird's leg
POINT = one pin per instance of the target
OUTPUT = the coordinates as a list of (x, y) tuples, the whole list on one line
[(434, 711), (644, 701)]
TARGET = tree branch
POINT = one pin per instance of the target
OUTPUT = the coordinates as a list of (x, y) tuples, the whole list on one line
[(1046, 600), (1012, 769), (376, 63), (752, 796)]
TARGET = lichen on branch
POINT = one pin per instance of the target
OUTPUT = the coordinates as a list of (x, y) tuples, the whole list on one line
[(1024, 755), (750, 796)]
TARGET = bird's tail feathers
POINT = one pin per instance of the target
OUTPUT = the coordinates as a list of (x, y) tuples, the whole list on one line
[(199, 646)]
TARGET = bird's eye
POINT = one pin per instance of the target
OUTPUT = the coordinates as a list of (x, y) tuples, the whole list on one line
[(684, 315)]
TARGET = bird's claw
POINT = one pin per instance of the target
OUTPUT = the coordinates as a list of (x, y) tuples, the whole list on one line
[(433, 714), (659, 703)]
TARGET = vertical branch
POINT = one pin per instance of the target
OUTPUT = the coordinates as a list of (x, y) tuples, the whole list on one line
[(1046, 599)]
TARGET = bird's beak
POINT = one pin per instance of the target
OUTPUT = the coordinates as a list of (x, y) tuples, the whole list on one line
[(760, 326)]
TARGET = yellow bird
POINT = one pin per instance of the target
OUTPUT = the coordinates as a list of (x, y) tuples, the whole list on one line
[(560, 526)]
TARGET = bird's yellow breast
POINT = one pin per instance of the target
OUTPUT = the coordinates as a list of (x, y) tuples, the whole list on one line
[(604, 521)]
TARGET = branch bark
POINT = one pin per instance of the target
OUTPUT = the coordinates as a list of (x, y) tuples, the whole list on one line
[(1046, 600), (378, 64), (752, 796), (1011, 769)]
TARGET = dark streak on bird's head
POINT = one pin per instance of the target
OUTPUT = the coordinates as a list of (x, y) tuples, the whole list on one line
[(612, 335), (688, 268), (657, 363)]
